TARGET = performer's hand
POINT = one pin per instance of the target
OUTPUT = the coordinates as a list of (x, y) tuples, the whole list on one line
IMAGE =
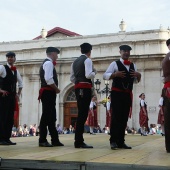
[(4, 93), (94, 70), (57, 90), (134, 73), (120, 74), (17, 96)]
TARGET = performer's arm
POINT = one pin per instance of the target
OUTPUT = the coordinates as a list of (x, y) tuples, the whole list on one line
[(91, 108), (143, 106), (161, 104), (72, 77), (2, 71), (20, 84), (89, 73), (113, 72), (136, 75), (110, 72), (3, 74), (3, 92), (48, 69), (108, 108)]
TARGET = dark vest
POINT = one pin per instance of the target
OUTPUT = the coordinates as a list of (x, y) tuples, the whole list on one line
[(8, 83), (41, 72), (123, 83), (79, 70)]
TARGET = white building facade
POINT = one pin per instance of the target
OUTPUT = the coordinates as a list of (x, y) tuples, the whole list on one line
[(148, 50)]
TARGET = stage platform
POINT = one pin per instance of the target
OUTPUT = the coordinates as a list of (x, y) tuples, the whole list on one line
[(148, 152)]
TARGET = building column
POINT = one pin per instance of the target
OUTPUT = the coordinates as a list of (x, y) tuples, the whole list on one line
[(60, 116), (32, 108)]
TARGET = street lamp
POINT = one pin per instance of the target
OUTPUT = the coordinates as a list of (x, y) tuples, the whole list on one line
[(97, 83), (105, 90), (106, 82)]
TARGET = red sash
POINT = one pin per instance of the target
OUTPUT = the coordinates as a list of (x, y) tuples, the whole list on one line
[(42, 90), (167, 87), (83, 85)]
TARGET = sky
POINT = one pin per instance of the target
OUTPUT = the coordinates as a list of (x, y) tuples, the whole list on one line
[(24, 19)]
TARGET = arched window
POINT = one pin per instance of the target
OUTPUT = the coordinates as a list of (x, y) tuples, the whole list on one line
[(71, 96)]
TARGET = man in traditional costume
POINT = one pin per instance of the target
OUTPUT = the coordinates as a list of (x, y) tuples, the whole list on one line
[(48, 92), (123, 73), (81, 74), (166, 96), (9, 76)]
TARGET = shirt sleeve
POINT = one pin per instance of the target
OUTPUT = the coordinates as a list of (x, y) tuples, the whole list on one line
[(110, 70), (89, 69), (108, 105), (91, 105), (2, 71), (19, 79), (161, 101), (72, 77), (135, 79), (48, 69), (142, 102)]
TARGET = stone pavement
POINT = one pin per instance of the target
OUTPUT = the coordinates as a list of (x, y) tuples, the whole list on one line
[(148, 152)]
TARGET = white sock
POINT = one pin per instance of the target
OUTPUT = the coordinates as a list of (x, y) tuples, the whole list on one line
[(91, 129)]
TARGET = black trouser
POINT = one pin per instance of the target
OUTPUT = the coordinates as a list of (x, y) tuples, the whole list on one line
[(120, 102), (83, 103), (7, 105), (167, 120), (48, 117)]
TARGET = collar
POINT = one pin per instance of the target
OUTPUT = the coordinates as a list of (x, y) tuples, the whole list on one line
[(121, 60), (8, 65), (50, 59), (85, 55)]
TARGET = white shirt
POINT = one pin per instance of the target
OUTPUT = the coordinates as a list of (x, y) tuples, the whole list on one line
[(89, 73), (3, 75), (92, 104), (48, 69), (161, 101), (142, 102), (108, 105), (114, 68)]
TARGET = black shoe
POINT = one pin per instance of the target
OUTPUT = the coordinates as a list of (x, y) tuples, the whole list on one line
[(162, 134), (3, 143), (168, 151), (83, 145), (57, 144), (10, 142), (113, 146), (45, 144), (92, 133), (124, 146)]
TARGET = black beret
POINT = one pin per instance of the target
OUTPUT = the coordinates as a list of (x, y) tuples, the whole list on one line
[(86, 46), (52, 49), (125, 47), (168, 42), (9, 54)]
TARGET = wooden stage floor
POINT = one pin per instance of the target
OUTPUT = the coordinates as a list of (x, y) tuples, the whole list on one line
[(148, 152)]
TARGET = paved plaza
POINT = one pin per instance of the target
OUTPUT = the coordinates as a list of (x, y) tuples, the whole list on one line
[(148, 152)]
